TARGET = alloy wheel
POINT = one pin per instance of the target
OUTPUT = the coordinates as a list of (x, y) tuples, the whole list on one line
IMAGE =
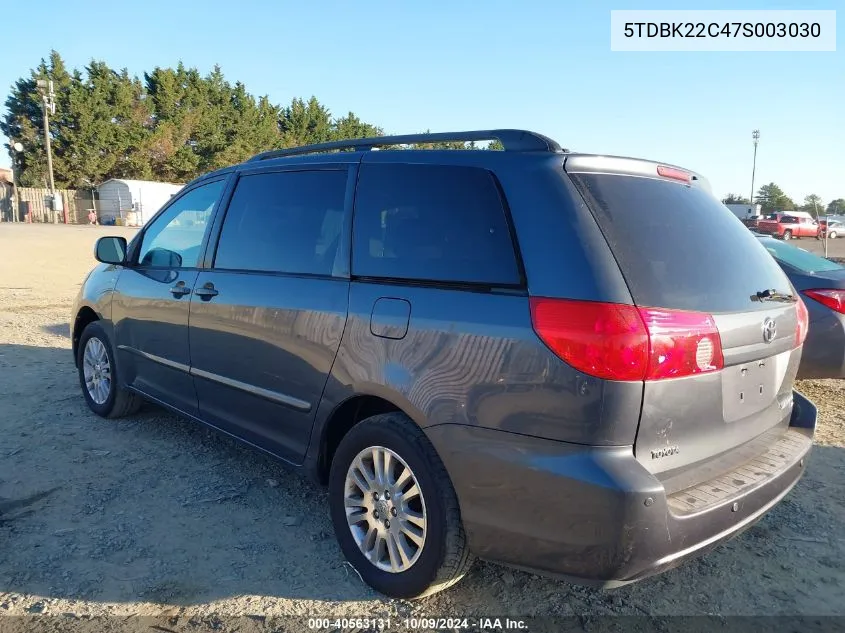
[(385, 509), (97, 370)]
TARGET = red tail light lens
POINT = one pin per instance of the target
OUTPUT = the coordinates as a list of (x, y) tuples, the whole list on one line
[(682, 343), (623, 342), (673, 173), (803, 322), (606, 340), (833, 298)]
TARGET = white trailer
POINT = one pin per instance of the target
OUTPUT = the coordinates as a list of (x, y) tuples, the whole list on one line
[(744, 211), (134, 201)]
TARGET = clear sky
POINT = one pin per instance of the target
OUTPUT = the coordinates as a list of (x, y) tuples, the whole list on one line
[(543, 65)]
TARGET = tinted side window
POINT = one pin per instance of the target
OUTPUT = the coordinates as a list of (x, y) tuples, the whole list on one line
[(173, 240), (287, 222), (431, 222)]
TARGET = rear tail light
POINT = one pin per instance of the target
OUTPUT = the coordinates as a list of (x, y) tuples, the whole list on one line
[(833, 298), (682, 343), (673, 173), (803, 322), (623, 342)]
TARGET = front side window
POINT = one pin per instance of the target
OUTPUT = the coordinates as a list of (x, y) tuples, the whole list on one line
[(284, 222), (432, 223), (175, 237)]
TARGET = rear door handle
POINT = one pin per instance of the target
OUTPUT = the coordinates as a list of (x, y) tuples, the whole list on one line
[(180, 290), (206, 292)]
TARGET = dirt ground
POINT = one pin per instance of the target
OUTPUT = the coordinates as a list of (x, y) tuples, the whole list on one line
[(153, 515)]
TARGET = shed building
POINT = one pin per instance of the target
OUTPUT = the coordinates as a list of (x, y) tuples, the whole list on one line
[(134, 201)]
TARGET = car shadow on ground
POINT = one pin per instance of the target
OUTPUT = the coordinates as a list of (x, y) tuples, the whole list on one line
[(57, 329), (154, 508)]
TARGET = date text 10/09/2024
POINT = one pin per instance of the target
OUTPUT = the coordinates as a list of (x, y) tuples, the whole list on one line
[(447, 624)]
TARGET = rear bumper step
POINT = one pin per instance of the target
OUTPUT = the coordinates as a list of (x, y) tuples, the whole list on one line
[(595, 515), (735, 484)]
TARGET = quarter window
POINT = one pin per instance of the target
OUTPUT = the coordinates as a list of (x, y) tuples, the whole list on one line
[(432, 223)]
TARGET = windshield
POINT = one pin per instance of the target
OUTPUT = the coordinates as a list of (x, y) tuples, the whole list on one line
[(798, 258)]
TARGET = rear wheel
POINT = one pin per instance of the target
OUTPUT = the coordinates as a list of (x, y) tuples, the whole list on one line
[(98, 375), (787, 235), (394, 510), (832, 235)]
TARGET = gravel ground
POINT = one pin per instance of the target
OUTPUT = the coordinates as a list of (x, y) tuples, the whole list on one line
[(155, 516)]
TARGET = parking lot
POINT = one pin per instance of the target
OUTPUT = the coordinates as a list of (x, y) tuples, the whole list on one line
[(835, 247), (153, 515)]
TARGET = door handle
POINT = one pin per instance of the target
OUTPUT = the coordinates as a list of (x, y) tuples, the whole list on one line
[(206, 292), (180, 290)]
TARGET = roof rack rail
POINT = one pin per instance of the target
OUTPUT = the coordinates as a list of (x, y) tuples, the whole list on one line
[(512, 140)]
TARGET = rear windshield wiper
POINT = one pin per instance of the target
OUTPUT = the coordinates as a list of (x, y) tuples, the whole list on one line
[(773, 295)]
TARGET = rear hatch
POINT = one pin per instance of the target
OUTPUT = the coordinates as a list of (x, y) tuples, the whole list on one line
[(723, 320)]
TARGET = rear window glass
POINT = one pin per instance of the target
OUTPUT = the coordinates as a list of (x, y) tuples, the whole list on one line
[(798, 258), (788, 219), (679, 247), (431, 223)]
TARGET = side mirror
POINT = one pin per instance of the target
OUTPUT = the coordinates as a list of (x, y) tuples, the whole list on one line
[(110, 250)]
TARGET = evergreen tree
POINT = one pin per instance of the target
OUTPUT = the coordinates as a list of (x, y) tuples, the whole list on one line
[(772, 198), (24, 122), (836, 207), (351, 126), (733, 198), (174, 125), (305, 123)]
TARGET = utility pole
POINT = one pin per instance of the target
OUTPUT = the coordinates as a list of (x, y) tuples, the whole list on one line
[(826, 223), (45, 87), (17, 148), (755, 137)]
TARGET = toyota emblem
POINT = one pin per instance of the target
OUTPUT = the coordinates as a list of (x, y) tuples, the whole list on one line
[(770, 329)]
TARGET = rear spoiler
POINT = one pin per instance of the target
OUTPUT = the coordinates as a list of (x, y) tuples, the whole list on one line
[(624, 166)]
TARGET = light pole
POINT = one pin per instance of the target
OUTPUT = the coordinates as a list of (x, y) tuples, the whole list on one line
[(45, 87), (755, 137), (16, 148)]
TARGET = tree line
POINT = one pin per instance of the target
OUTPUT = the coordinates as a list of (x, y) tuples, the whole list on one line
[(772, 198), (172, 125)]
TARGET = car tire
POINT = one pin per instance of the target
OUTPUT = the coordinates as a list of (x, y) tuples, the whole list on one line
[(98, 375), (787, 235), (832, 235), (442, 557)]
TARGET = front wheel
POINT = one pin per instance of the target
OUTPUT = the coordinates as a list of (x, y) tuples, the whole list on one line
[(832, 235), (98, 375), (787, 235), (394, 510)]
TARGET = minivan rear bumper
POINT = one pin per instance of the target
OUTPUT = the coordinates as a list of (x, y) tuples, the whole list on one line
[(595, 515)]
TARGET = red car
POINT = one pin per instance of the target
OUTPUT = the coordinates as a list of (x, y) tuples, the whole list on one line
[(786, 226)]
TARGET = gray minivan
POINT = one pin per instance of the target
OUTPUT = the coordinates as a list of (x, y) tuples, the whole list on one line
[(533, 356)]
